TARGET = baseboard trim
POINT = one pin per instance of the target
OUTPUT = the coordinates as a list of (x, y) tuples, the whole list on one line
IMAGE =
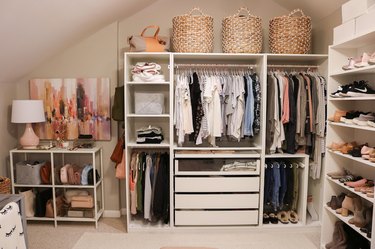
[(112, 213)]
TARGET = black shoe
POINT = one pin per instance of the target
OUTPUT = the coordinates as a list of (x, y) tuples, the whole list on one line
[(266, 218), (342, 90), (360, 90)]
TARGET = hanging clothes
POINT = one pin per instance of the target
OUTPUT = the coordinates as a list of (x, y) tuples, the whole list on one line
[(149, 186), (223, 104), (296, 114)]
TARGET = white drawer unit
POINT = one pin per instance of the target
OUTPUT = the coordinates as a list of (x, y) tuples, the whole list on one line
[(216, 201), (213, 184), (216, 218)]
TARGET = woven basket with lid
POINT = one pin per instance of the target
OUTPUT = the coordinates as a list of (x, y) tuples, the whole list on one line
[(242, 33), (193, 33), (290, 34), (4, 185)]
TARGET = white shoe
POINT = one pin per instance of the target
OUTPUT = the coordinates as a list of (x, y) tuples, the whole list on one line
[(363, 119)]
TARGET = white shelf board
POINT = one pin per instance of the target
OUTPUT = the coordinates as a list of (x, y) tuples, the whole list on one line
[(135, 83), (286, 155), (357, 42), (148, 115), (253, 148), (350, 98), (217, 173), (40, 219), (337, 182), (346, 220), (304, 58), (79, 186), (16, 185), (357, 159), (355, 71), (218, 155), (216, 56), (135, 145), (358, 127), (148, 55)]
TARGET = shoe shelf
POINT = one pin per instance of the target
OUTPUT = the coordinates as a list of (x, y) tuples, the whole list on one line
[(346, 220), (359, 127), (357, 159), (356, 71), (364, 196), (350, 98)]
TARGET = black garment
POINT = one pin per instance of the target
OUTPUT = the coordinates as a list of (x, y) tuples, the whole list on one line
[(196, 106), (288, 198), (270, 125), (291, 126), (257, 101), (161, 194), (41, 198)]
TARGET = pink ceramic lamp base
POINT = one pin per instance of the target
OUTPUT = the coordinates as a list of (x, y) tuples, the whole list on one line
[(29, 139)]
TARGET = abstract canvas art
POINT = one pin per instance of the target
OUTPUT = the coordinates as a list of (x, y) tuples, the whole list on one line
[(73, 107)]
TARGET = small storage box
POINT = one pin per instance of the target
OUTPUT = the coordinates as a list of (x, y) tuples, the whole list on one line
[(148, 103), (28, 173)]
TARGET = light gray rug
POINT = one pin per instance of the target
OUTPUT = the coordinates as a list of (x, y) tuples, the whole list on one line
[(220, 240)]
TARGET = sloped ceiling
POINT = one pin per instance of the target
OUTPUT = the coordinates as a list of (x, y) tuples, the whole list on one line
[(33, 31)]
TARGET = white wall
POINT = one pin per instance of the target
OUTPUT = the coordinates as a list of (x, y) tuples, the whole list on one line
[(95, 56), (8, 131)]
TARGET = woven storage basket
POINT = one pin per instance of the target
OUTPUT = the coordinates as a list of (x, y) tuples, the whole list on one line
[(290, 34), (242, 33), (193, 33), (4, 185)]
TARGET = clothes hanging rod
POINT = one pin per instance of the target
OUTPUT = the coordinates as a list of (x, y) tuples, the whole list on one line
[(293, 66), (216, 65)]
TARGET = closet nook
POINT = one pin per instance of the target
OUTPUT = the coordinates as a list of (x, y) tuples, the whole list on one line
[(214, 126)]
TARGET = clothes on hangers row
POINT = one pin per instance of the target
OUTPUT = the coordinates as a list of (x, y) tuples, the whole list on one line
[(149, 186), (212, 105), (296, 115), (281, 185)]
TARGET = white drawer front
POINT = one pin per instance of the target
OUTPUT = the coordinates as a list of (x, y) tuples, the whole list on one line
[(208, 218), (216, 201), (216, 184)]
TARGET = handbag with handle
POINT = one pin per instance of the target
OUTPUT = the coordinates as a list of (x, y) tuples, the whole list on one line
[(155, 43)]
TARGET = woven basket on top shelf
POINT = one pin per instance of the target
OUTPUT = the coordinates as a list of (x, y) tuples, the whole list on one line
[(4, 185), (290, 34), (193, 33), (242, 33)]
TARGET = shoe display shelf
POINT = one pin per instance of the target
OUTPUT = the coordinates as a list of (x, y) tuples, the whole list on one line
[(58, 158), (338, 132)]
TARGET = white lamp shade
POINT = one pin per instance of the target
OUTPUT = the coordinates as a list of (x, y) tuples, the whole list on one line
[(28, 111)]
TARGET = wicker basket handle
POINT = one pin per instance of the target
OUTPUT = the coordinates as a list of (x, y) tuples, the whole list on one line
[(243, 9), (296, 11), (152, 26), (197, 9)]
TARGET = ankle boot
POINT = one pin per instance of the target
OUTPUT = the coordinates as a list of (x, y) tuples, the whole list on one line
[(333, 203), (358, 220), (342, 244), (347, 205), (340, 199)]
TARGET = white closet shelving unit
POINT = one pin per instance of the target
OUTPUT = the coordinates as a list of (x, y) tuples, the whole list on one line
[(186, 189), (340, 132), (58, 158)]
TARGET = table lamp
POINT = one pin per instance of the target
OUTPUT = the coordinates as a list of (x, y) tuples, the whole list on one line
[(27, 112)]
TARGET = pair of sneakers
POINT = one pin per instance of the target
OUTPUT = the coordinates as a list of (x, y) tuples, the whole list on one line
[(363, 61), (357, 118), (356, 89)]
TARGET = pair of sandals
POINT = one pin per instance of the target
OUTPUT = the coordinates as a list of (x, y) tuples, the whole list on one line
[(283, 216)]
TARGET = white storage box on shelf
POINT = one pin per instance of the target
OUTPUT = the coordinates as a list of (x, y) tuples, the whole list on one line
[(148, 103), (365, 23), (28, 173), (355, 8), (344, 32)]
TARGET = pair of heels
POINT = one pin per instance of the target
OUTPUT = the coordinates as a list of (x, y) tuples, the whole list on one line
[(363, 61)]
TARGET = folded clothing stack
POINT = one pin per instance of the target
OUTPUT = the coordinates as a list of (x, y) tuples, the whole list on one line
[(147, 72), (149, 135)]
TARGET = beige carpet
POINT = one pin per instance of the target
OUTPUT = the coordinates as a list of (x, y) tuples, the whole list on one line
[(221, 240)]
